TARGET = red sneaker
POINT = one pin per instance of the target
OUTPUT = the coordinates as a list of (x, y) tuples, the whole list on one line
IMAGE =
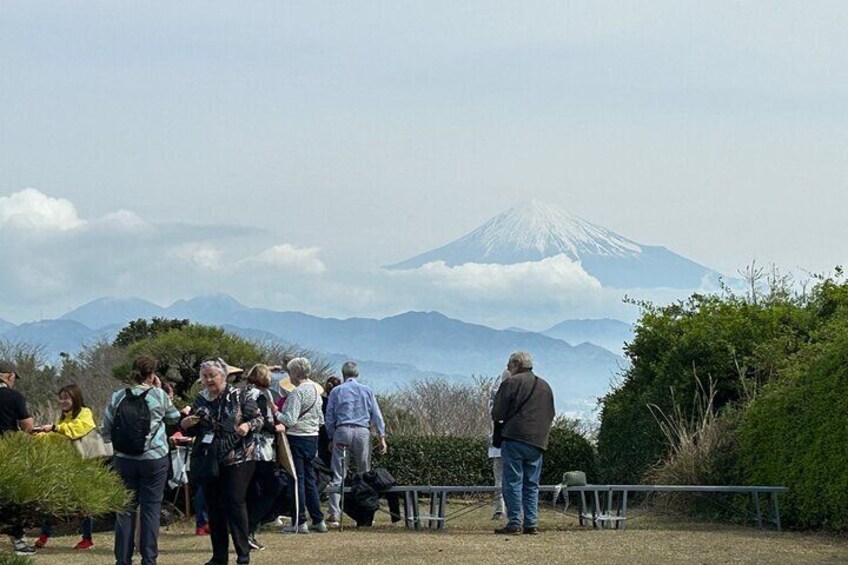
[(41, 541), (202, 530), (84, 544)]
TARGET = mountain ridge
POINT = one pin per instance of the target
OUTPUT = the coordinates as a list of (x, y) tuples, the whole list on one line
[(535, 230)]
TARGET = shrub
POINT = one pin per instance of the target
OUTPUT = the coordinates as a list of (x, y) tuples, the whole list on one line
[(795, 433), (44, 476), (736, 342), (444, 460)]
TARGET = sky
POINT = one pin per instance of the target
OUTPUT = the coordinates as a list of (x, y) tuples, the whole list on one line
[(284, 151)]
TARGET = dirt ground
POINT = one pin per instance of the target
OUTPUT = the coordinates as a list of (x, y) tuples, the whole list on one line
[(469, 538)]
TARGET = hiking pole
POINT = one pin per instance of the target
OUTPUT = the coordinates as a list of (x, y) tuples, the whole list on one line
[(341, 487)]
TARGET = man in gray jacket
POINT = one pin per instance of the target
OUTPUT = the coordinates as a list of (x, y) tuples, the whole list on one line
[(523, 409)]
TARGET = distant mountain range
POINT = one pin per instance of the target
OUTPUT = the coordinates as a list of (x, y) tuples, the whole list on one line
[(535, 231), (609, 334), (391, 351)]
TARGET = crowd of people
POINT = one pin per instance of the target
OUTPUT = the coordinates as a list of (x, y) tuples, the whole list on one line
[(235, 427)]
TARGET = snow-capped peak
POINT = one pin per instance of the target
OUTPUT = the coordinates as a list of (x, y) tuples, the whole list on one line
[(548, 230), (535, 231)]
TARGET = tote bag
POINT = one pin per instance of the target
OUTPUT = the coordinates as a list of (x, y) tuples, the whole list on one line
[(92, 446)]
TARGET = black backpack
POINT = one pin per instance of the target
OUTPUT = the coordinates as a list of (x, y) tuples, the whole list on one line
[(131, 425)]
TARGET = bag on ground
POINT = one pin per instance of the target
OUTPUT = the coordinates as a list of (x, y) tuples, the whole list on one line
[(361, 502)]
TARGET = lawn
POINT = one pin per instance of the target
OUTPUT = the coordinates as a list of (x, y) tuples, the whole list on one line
[(650, 538)]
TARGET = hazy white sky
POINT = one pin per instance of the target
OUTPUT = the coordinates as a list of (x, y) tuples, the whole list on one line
[(353, 135)]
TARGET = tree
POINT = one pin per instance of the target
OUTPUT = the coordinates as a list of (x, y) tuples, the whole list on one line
[(141, 329), (181, 350)]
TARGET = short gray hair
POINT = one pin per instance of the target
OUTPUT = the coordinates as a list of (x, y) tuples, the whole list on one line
[(522, 359), (350, 370), (299, 367)]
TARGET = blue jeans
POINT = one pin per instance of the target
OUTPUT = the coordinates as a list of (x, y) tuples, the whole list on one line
[(146, 480), (304, 449), (522, 467)]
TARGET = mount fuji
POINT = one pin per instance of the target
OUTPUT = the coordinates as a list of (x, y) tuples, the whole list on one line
[(535, 230)]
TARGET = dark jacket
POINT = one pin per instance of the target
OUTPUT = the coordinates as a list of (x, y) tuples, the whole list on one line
[(224, 414), (532, 422)]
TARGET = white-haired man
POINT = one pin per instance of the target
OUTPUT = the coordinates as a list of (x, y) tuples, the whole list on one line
[(352, 410), (523, 410)]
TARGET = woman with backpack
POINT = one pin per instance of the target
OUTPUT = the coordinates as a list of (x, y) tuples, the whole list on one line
[(223, 422), (76, 422), (135, 422)]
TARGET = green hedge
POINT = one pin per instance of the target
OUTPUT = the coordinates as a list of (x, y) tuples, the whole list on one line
[(795, 434), (432, 460)]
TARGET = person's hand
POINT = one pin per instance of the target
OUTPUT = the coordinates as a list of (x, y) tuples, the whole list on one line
[(186, 411), (157, 382), (45, 428), (383, 447), (243, 429), (280, 428), (189, 422)]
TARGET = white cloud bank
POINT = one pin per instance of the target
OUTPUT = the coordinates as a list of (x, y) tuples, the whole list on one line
[(32, 209), (55, 260), (289, 257)]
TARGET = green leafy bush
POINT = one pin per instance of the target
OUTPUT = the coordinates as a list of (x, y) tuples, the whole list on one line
[(734, 342), (443, 460), (44, 475), (795, 433)]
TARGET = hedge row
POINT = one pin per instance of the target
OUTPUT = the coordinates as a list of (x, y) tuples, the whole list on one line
[(796, 434), (434, 460)]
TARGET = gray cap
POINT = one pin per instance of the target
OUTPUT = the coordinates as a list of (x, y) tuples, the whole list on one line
[(8, 367)]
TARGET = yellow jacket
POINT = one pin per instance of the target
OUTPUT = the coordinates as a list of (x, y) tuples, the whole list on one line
[(75, 428)]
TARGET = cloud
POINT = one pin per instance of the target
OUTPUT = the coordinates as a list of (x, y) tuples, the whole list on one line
[(288, 257), (123, 221), (202, 255), (493, 282), (32, 209)]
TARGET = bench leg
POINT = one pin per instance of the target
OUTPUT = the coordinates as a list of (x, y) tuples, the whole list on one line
[(582, 508), (596, 512), (623, 510), (443, 502), (408, 510), (776, 507), (756, 496), (416, 520)]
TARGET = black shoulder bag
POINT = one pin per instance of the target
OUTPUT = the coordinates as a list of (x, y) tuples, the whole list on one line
[(497, 430)]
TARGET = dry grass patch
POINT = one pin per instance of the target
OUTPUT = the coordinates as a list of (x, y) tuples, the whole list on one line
[(649, 539)]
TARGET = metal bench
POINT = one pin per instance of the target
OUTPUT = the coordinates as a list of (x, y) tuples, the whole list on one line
[(607, 507)]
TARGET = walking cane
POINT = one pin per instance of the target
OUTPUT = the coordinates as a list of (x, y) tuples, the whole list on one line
[(341, 486)]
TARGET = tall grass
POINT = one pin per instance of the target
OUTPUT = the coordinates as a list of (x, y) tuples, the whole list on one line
[(702, 446)]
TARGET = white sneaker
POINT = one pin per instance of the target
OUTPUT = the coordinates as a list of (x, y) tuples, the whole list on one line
[(320, 527), (292, 529), (333, 521), (22, 547)]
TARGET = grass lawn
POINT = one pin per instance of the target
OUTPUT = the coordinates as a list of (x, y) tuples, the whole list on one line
[(469, 539)]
